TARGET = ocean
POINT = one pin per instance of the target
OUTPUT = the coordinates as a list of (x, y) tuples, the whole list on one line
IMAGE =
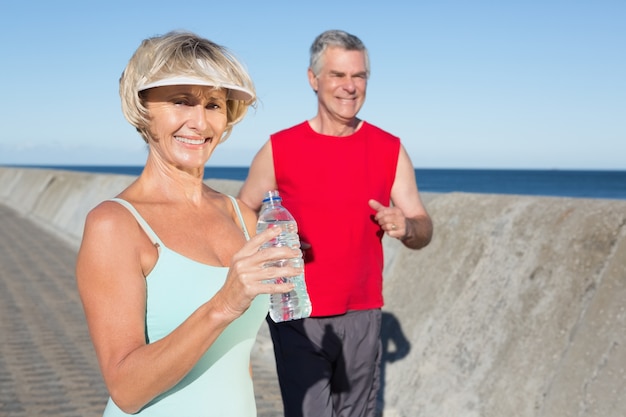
[(558, 183)]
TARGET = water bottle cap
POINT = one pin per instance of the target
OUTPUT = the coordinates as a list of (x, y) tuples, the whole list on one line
[(273, 195)]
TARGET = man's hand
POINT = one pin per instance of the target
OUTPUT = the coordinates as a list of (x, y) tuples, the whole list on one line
[(414, 232), (390, 219)]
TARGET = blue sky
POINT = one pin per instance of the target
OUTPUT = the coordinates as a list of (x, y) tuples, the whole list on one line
[(464, 84)]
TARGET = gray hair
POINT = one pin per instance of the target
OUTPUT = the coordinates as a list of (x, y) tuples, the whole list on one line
[(337, 38)]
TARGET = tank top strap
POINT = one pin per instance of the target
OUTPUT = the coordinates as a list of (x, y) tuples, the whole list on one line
[(144, 225), (240, 216)]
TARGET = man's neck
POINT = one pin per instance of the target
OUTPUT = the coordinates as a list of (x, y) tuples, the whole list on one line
[(334, 128)]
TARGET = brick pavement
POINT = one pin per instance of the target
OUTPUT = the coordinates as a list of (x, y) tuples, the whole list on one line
[(47, 364)]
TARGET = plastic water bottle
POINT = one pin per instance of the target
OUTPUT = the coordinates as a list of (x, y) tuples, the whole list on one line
[(296, 303)]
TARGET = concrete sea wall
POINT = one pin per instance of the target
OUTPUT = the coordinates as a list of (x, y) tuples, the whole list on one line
[(59, 200), (516, 308)]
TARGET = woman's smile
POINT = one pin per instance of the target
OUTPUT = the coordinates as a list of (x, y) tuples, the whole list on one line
[(191, 141)]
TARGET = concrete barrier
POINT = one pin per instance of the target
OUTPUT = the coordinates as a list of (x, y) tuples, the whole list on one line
[(59, 200), (516, 308)]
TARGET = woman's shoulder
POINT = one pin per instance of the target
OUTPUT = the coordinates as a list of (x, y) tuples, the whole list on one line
[(109, 217), (236, 207)]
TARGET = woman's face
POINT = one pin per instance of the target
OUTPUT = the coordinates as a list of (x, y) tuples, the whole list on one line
[(186, 123)]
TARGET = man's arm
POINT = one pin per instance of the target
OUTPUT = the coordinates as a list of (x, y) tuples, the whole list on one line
[(407, 218), (260, 180)]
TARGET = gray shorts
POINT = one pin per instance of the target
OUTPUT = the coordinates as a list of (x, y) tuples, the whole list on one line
[(329, 366)]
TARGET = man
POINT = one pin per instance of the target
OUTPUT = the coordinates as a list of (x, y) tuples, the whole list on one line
[(337, 175)]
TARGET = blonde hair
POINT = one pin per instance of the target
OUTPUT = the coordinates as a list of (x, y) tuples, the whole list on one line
[(185, 54)]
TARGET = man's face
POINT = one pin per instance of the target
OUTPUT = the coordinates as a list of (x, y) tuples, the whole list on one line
[(341, 84)]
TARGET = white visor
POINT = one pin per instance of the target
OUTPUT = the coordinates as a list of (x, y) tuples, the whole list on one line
[(235, 92)]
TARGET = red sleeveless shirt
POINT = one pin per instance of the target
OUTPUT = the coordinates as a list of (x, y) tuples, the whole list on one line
[(326, 183)]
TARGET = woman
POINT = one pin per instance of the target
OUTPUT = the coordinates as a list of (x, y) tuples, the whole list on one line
[(173, 289)]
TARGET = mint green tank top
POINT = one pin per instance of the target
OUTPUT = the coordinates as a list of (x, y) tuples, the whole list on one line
[(220, 384)]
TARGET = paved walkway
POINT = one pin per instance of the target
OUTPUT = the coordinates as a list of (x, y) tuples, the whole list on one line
[(47, 364)]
